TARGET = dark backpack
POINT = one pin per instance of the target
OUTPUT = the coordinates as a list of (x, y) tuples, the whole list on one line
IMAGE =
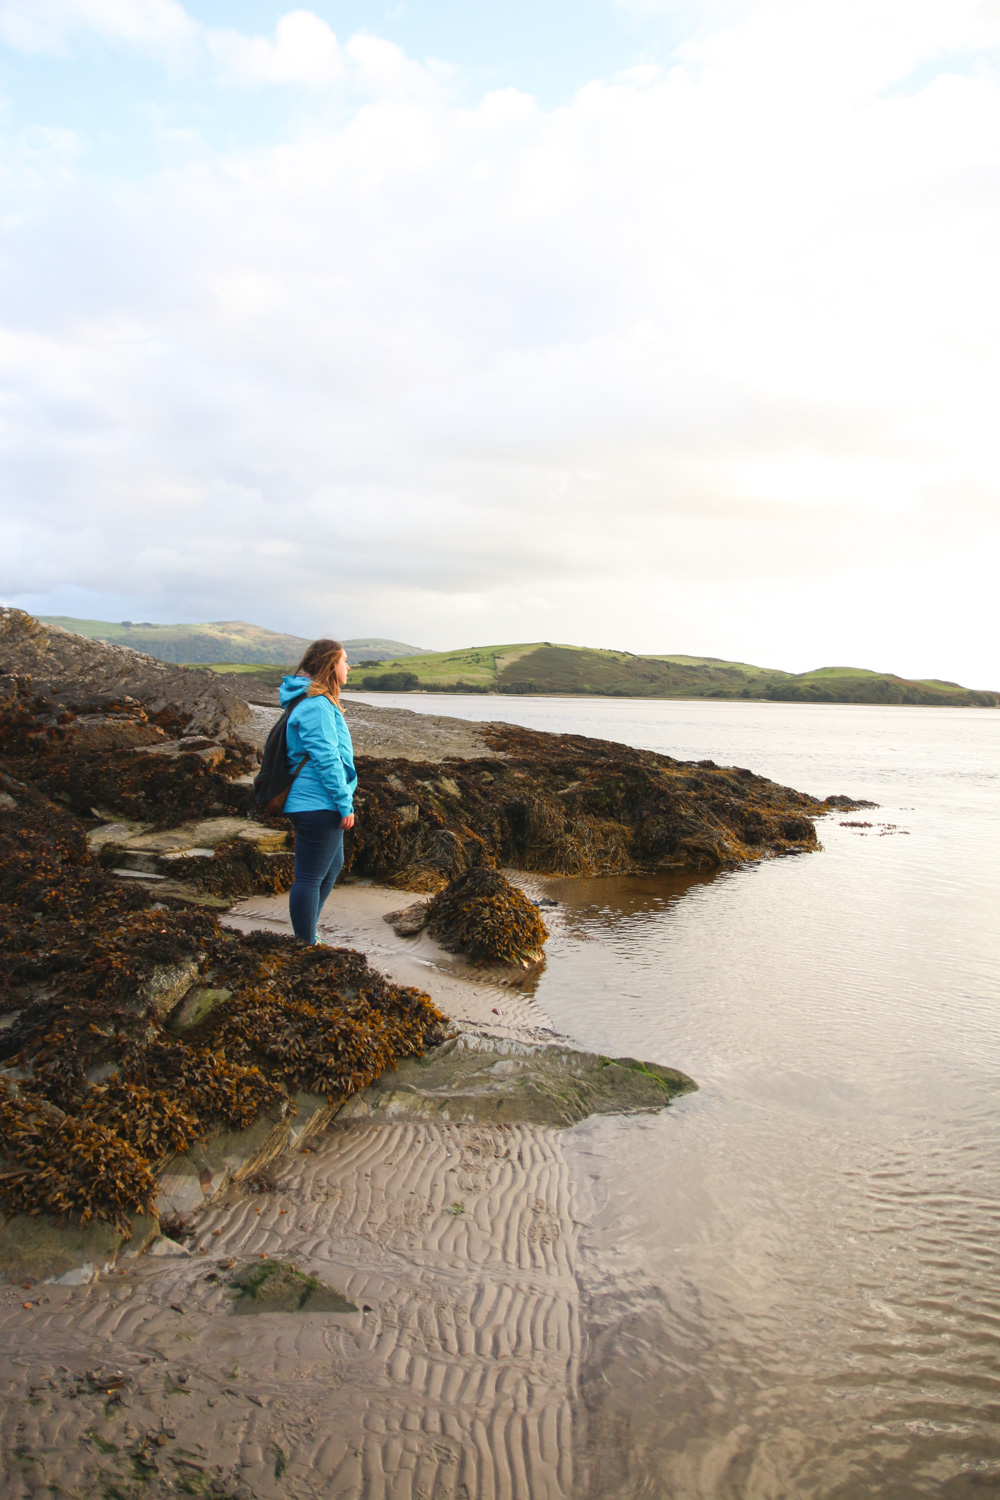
[(274, 780)]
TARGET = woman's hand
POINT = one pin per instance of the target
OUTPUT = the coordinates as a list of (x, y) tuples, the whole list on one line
[(348, 822)]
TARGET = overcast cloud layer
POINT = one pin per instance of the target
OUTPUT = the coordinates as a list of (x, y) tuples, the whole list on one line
[(704, 359)]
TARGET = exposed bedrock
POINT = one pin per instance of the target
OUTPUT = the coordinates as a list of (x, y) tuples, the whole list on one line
[(473, 1079), (75, 671)]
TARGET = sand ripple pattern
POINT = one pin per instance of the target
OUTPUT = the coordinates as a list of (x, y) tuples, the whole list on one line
[(457, 1380)]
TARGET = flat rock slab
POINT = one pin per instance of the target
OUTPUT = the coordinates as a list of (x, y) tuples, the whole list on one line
[(392, 733), (207, 834), (177, 890), (481, 1079), (118, 832), (382, 732)]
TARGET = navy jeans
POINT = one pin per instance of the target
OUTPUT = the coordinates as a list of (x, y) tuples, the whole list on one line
[(319, 859)]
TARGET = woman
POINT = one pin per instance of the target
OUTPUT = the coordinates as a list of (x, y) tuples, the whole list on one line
[(320, 802)]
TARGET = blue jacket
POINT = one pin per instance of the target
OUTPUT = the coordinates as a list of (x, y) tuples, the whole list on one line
[(328, 778)]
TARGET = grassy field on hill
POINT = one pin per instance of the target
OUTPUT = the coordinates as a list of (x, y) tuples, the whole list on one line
[(228, 643), (236, 647), (543, 667)]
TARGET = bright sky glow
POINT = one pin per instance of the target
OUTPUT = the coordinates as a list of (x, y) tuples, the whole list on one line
[(667, 327)]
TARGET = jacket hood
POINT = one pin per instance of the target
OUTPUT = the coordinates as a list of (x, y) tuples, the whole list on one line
[(291, 687)]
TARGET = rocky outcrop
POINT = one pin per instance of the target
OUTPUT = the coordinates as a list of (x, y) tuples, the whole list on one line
[(568, 805), (73, 671), (473, 1079), (558, 804), (133, 1028)]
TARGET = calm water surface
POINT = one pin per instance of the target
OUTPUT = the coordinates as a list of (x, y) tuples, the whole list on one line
[(791, 1278)]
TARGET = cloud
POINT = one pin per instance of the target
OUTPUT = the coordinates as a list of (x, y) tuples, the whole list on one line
[(681, 363), (162, 26), (304, 51)]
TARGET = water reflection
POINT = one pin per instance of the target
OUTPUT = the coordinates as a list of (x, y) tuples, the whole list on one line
[(607, 902)]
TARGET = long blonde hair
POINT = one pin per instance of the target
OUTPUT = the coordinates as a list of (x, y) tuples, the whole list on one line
[(319, 663)]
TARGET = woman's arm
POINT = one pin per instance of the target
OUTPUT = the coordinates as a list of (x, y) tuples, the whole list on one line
[(316, 721)]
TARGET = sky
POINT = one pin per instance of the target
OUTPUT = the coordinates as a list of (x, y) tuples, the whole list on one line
[(631, 323)]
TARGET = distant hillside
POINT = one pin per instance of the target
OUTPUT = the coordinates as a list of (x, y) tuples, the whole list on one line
[(376, 648), (542, 667), (221, 641)]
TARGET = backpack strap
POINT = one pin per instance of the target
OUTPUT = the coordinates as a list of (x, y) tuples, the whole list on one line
[(288, 713)]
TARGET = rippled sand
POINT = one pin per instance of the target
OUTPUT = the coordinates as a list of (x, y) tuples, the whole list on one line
[(457, 1379)]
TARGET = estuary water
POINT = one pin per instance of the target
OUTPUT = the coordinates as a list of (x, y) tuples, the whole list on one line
[(791, 1279)]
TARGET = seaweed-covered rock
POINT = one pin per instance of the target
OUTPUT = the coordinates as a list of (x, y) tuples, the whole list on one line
[(61, 1164), (566, 805), (559, 804), (483, 916), (39, 742)]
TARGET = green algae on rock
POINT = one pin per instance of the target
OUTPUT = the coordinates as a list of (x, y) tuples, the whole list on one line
[(474, 1079), (276, 1286), (52, 1247)]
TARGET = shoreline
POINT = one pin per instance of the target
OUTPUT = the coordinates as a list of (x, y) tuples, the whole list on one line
[(534, 801), (457, 1375)]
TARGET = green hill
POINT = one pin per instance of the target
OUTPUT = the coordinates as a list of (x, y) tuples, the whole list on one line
[(537, 667), (221, 641), (542, 667)]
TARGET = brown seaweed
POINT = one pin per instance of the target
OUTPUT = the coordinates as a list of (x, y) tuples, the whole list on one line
[(483, 916), (567, 805)]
